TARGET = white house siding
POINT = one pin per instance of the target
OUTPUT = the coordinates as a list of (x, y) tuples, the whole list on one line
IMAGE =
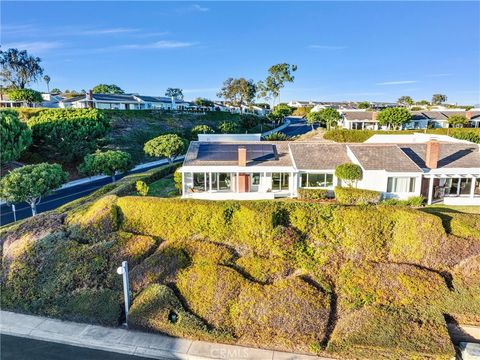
[(377, 180)]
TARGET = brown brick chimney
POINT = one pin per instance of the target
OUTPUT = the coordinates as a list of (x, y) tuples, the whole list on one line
[(433, 154), (468, 115), (242, 156), (374, 115)]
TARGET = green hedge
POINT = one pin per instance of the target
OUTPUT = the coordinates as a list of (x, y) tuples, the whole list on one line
[(357, 136), (313, 194), (354, 196), (68, 133)]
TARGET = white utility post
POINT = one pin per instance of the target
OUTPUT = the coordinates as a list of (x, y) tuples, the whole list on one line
[(123, 270)]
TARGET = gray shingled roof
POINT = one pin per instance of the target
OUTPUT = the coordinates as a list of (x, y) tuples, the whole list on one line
[(451, 155), (388, 157), (316, 156), (358, 115)]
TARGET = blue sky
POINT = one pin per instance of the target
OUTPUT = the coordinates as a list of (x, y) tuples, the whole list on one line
[(373, 51)]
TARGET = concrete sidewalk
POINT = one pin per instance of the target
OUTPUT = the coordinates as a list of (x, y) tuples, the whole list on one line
[(130, 342)]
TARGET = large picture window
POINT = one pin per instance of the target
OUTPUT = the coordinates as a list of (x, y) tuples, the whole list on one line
[(401, 184), (311, 180)]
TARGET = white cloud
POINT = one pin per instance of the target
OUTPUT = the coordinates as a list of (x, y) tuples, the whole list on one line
[(162, 44), (107, 31), (192, 8), (400, 82), (197, 7), (439, 75), (35, 47), (327, 47)]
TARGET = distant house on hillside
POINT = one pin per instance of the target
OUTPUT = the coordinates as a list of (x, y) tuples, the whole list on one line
[(252, 170), (122, 102)]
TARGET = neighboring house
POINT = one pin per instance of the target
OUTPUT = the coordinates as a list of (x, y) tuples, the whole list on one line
[(247, 170), (363, 119), (51, 100), (7, 103)]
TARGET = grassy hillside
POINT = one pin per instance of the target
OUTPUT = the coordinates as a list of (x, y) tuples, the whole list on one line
[(130, 129), (367, 282)]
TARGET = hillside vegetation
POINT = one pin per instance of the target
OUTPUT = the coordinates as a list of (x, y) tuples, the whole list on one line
[(66, 135), (347, 281)]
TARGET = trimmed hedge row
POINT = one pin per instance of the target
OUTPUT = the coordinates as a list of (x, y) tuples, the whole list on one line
[(357, 136), (313, 194), (354, 196)]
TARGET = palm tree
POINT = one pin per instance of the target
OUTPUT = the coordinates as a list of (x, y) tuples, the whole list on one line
[(46, 78)]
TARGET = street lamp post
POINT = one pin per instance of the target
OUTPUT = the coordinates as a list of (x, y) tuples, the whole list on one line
[(123, 270)]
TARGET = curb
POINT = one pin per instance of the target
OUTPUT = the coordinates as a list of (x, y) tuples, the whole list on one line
[(131, 342)]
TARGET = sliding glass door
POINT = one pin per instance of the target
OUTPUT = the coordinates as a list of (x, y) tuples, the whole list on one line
[(280, 181)]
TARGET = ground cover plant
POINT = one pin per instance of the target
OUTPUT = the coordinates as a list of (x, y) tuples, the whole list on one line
[(343, 281)]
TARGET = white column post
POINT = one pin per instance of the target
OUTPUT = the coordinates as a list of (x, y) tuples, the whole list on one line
[(210, 182), (430, 190), (472, 187), (183, 183), (458, 185)]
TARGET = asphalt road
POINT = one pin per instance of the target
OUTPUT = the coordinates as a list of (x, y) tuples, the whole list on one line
[(297, 126), (17, 348), (58, 198)]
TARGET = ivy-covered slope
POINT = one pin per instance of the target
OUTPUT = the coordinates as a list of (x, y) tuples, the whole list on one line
[(367, 282)]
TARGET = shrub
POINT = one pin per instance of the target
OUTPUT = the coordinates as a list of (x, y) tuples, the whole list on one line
[(15, 136), (265, 270), (288, 314), (106, 163), (467, 135), (313, 194), (70, 133), (415, 201), (158, 309), (349, 173), (132, 248), (228, 127), (96, 221), (465, 225), (101, 306), (352, 196), (161, 266), (200, 129), (387, 333), (277, 136), (210, 291), (142, 188), (390, 285), (348, 136), (28, 96), (169, 146)]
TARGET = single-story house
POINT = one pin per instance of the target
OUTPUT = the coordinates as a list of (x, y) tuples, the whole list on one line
[(247, 170), (364, 119), (123, 102)]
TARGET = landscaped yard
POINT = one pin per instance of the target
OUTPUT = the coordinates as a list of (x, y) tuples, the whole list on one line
[(164, 188), (345, 281)]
